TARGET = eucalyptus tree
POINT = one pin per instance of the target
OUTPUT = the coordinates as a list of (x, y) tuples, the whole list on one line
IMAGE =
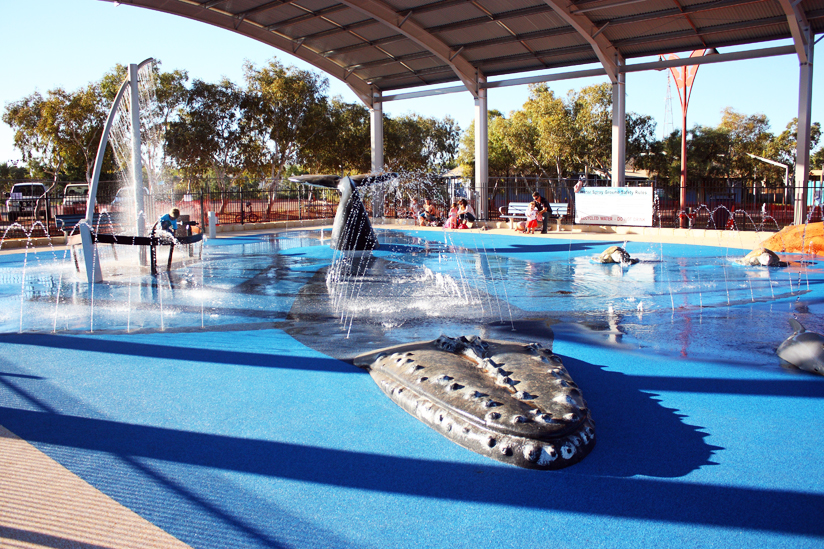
[(590, 113), (558, 138), (783, 147), (344, 144), (58, 132), (285, 112), (415, 142), (501, 157), (209, 135)]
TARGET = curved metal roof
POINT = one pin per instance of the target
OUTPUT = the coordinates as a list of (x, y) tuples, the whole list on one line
[(382, 45)]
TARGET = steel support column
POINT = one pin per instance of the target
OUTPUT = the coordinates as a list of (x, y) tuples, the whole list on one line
[(481, 155), (619, 129), (802, 158), (376, 132)]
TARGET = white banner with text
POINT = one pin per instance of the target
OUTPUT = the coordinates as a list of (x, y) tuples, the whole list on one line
[(614, 206)]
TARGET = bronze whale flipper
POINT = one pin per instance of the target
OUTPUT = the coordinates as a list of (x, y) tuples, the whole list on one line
[(513, 402)]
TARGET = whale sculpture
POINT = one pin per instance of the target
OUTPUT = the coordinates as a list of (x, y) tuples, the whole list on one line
[(761, 257), (351, 230), (616, 254), (803, 350), (512, 402)]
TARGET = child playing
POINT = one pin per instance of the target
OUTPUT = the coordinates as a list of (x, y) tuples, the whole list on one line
[(452, 219), (532, 218)]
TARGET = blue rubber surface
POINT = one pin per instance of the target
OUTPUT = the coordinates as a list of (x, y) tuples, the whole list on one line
[(248, 438)]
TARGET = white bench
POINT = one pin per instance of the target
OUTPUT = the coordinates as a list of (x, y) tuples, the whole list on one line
[(517, 210)]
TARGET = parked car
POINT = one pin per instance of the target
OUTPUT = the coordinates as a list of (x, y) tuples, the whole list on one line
[(126, 195), (23, 199), (75, 193), (75, 198)]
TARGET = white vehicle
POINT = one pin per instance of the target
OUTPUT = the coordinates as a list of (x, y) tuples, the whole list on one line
[(75, 193), (23, 199), (126, 194)]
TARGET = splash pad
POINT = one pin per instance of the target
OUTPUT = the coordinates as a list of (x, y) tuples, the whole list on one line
[(226, 382)]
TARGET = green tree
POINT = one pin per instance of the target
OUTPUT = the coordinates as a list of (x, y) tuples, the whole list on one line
[(783, 147), (415, 142), (501, 158), (345, 144), (208, 136), (284, 114), (59, 132)]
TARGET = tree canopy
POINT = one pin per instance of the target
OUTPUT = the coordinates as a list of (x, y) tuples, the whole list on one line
[(280, 121)]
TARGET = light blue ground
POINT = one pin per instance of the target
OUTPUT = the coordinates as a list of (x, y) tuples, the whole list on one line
[(248, 438)]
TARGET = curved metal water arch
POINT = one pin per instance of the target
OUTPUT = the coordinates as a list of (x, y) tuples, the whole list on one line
[(93, 271)]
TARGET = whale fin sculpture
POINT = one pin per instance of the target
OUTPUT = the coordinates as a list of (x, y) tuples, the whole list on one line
[(803, 350), (512, 402), (351, 230)]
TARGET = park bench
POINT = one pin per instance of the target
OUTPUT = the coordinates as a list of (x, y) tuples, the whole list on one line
[(101, 222), (517, 210)]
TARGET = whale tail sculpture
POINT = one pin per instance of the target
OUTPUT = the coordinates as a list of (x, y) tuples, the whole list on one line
[(803, 350), (351, 230)]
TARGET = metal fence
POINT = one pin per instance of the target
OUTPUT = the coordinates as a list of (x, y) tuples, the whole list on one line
[(710, 204), (716, 204)]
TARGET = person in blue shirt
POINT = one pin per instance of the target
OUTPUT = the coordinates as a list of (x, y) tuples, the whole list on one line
[(169, 220)]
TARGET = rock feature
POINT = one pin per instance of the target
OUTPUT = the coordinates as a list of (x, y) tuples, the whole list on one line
[(761, 257), (512, 402), (616, 254), (808, 239), (803, 350)]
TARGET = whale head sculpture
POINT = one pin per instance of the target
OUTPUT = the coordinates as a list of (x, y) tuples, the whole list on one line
[(351, 230), (616, 254), (803, 350), (762, 257)]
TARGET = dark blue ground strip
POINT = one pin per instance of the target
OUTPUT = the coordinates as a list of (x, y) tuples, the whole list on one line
[(181, 479), (173, 353), (636, 498)]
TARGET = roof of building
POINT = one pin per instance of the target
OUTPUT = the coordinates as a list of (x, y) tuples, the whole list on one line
[(381, 45)]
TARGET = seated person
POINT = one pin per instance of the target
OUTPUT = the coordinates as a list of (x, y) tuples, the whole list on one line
[(466, 213), (168, 222), (429, 214)]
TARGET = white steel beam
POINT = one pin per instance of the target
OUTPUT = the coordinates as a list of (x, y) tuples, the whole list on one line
[(607, 53), (407, 26), (218, 17), (799, 28), (481, 156), (802, 154), (624, 69), (376, 131), (619, 131)]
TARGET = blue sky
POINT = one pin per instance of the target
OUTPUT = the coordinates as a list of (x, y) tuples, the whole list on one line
[(51, 43)]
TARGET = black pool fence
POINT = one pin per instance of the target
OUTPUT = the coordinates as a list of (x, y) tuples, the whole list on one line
[(711, 204)]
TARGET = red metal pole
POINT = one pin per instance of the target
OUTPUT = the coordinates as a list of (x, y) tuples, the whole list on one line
[(683, 206)]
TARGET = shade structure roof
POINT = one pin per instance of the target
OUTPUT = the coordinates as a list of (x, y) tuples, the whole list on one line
[(384, 45)]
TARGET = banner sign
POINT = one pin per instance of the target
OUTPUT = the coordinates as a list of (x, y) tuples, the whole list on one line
[(614, 206)]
